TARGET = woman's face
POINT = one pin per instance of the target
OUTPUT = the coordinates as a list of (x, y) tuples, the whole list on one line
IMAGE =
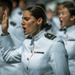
[(65, 17), (29, 24), (22, 5)]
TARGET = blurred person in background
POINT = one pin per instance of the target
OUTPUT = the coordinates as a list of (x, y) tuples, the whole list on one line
[(67, 32), (74, 2), (5, 6), (14, 4), (18, 11), (16, 19), (51, 17), (58, 8), (8, 69), (15, 23), (22, 4)]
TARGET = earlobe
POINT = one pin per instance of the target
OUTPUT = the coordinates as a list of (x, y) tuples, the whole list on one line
[(39, 21), (73, 18)]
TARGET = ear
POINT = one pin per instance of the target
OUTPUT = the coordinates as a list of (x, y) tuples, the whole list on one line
[(39, 21), (72, 18)]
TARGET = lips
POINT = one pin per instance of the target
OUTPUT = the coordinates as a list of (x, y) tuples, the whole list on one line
[(24, 28), (61, 22)]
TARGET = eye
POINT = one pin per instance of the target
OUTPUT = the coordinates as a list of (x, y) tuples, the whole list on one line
[(25, 18)]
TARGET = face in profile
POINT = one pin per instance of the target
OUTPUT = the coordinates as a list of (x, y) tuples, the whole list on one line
[(29, 23)]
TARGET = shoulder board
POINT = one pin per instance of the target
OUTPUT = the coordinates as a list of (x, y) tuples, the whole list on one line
[(20, 13), (12, 23), (50, 36)]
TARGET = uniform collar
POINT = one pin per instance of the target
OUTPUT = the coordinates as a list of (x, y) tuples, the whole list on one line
[(39, 35), (70, 28), (63, 29), (36, 37)]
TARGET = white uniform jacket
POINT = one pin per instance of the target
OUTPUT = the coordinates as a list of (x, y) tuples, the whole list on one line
[(41, 55), (69, 40), (6, 68)]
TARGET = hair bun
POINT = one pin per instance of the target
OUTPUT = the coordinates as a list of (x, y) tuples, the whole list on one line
[(47, 26)]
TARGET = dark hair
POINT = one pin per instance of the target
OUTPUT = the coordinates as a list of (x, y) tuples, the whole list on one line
[(5, 4), (38, 12), (24, 1), (16, 1), (70, 6), (2, 4)]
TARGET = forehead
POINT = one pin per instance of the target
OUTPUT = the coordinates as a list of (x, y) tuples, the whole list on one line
[(64, 9), (27, 13)]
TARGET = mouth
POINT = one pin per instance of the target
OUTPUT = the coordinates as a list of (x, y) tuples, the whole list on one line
[(61, 22), (24, 29)]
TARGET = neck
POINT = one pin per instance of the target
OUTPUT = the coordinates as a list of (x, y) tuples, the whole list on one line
[(69, 25), (36, 32)]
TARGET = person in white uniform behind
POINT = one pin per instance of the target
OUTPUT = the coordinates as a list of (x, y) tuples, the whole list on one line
[(67, 32), (5, 68)]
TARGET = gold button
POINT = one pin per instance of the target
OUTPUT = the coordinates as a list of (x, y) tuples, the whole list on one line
[(31, 51), (27, 58)]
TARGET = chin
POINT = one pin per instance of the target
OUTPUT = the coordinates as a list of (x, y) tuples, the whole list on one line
[(26, 33), (63, 26)]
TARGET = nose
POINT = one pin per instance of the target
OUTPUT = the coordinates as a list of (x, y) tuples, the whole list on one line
[(22, 23), (60, 15)]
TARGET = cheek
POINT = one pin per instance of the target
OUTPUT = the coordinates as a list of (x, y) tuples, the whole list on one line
[(31, 25), (66, 17), (67, 20)]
